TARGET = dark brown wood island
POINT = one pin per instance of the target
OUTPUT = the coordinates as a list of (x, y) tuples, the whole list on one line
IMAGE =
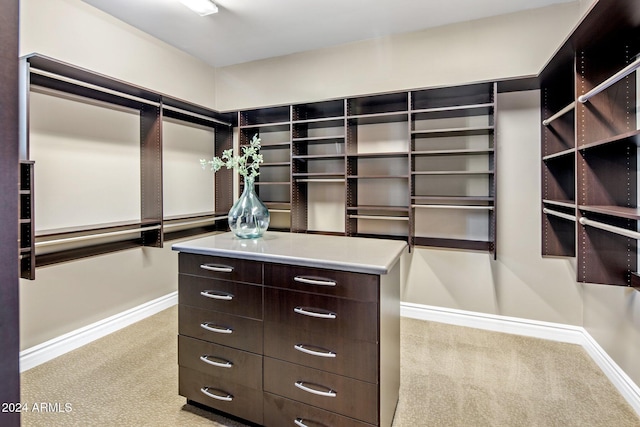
[(291, 329)]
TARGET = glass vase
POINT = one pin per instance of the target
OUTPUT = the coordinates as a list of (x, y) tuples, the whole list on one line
[(248, 217)]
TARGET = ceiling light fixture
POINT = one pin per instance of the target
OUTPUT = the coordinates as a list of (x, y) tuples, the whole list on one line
[(201, 7)]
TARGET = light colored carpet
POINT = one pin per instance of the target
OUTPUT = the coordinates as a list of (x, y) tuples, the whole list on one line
[(451, 376)]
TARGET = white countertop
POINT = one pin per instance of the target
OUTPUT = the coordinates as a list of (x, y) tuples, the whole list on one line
[(354, 254)]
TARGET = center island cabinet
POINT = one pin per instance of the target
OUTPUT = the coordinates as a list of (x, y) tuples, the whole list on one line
[(291, 329)]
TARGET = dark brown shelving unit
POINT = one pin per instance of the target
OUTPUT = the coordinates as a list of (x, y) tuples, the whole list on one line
[(589, 146), (26, 223), (273, 185), (53, 75), (453, 161), (318, 156), (371, 161)]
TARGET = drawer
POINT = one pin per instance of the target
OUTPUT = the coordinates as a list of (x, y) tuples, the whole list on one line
[(351, 358), (279, 412), (339, 317), (239, 270), (334, 393), (358, 286), (225, 363), (222, 395), (236, 298), (221, 328)]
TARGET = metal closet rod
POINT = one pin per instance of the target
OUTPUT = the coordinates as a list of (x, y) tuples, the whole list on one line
[(558, 214), (95, 236), (610, 81), (610, 228), (560, 113)]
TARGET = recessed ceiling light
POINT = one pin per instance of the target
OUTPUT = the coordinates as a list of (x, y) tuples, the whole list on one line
[(201, 7)]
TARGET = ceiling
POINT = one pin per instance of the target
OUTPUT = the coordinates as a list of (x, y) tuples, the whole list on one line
[(247, 30)]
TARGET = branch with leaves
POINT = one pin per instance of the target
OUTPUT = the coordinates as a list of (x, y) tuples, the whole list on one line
[(246, 165)]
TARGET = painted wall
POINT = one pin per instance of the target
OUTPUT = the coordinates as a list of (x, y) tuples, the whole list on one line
[(517, 44), (68, 296), (74, 32)]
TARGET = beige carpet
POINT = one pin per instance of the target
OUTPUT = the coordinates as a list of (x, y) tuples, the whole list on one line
[(451, 376)]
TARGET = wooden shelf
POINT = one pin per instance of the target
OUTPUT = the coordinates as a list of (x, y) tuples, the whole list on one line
[(627, 137), (320, 139), (277, 145), (616, 211), (271, 183), (318, 157), (456, 152), (560, 155), (453, 199), (391, 154), (274, 164), (467, 131), (377, 118), (461, 110), (460, 172), (476, 245), (380, 208), (377, 176), (562, 203)]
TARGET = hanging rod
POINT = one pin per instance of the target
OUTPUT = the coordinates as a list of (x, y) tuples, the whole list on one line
[(611, 228), (199, 116), (96, 236), (453, 207), (390, 218), (610, 81), (559, 214), (194, 222), (559, 114), (92, 86)]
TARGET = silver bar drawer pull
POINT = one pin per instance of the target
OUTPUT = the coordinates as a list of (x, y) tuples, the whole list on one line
[(315, 281), (316, 352), (220, 363), (220, 268), (306, 311), (215, 328), (300, 422), (225, 396), (330, 393), (217, 295)]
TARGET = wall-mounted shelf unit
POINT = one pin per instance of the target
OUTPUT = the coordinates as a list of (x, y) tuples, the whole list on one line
[(453, 162), (589, 146), (385, 165), (62, 79), (273, 185), (377, 168)]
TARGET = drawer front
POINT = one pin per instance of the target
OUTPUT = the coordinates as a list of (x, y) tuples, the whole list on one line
[(339, 317), (236, 298), (239, 270), (358, 286), (334, 393), (222, 395), (279, 412), (351, 358), (225, 363), (220, 328)]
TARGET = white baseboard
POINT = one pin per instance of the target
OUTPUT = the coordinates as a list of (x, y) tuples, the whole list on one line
[(532, 328), (58, 346)]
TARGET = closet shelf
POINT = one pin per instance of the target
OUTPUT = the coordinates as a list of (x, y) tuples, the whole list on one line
[(274, 164), (461, 172), (616, 211), (391, 154), (376, 118), (560, 154), (381, 208), (466, 110), (320, 139), (377, 176), (456, 152), (563, 203), (318, 157), (271, 183), (632, 137), (452, 199), (268, 127), (477, 245), (465, 131)]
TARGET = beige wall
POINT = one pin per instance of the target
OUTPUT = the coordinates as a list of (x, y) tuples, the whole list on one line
[(68, 296), (74, 32), (517, 44)]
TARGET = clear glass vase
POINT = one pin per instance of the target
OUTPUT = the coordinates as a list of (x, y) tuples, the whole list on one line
[(248, 217)]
